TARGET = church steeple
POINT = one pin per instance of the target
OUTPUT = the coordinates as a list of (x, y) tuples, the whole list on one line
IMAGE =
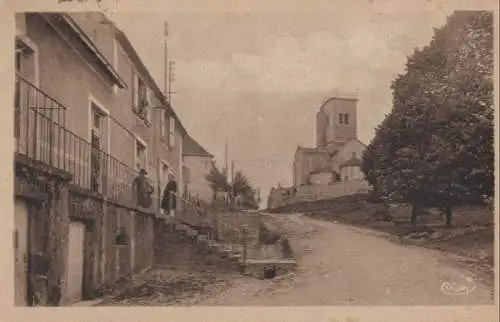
[(336, 122)]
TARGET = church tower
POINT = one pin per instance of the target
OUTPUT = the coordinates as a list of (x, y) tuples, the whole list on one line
[(336, 122)]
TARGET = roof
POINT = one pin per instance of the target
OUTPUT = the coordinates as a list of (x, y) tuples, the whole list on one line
[(334, 145), (192, 148), (62, 21), (310, 149), (343, 97), (341, 145), (143, 70), (351, 162)]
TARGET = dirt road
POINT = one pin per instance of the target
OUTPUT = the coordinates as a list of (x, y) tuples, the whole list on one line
[(342, 265)]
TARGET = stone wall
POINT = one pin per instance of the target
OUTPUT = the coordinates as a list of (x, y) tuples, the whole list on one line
[(52, 204), (287, 196), (43, 192), (133, 255)]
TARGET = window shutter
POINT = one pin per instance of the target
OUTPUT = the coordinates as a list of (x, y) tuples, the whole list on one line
[(172, 131), (135, 91), (149, 96), (162, 122)]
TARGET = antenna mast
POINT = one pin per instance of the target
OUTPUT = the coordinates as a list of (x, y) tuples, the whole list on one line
[(165, 36)]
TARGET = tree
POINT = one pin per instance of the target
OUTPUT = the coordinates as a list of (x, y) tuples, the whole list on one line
[(217, 179), (435, 148), (241, 184), (243, 188)]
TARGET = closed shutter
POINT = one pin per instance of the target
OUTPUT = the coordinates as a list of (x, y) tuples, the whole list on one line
[(135, 92)]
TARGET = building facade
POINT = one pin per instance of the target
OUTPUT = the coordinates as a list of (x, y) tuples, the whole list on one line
[(337, 154), (197, 162), (88, 117)]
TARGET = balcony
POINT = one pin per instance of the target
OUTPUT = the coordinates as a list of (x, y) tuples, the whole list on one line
[(40, 135)]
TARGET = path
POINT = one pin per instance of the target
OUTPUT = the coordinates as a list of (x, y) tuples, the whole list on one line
[(342, 265)]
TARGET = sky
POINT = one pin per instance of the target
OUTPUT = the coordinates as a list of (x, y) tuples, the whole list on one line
[(255, 76)]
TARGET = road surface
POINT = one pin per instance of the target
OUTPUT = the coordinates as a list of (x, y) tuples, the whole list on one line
[(343, 265)]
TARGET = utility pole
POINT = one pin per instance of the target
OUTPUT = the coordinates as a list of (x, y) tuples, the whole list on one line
[(232, 182), (165, 82), (171, 77), (232, 171), (169, 67), (225, 159)]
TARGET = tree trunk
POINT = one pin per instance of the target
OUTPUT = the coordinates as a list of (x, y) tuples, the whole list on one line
[(414, 213), (448, 214)]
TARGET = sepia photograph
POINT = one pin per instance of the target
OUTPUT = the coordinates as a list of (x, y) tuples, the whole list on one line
[(334, 157)]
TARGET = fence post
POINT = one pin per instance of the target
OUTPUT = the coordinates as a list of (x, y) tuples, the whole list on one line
[(35, 129), (244, 246), (51, 139)]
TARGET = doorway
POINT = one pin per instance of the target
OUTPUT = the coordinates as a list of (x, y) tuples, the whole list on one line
[(95, 140), (21, 217), (76, 242)]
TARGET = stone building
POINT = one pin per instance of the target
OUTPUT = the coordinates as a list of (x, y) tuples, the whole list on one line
[(337, 154), (88, 117), (197, 162)]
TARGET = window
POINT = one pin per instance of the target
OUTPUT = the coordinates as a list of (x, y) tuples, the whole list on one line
[(141, 98), (115, 61), (354, 155), (140, 155), (98, 127), (164, 175), (343, 118), (171, 128), (96, 121), (164, 126), (19, 55)]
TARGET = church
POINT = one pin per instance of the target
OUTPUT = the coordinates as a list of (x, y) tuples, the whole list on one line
[(337, 155)]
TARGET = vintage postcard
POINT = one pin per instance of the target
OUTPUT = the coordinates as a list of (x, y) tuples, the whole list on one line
[(327, 154)]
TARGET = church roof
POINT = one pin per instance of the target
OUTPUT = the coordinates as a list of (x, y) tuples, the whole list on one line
[(342, 144), (311, 149), (193, 148), (355, 162)]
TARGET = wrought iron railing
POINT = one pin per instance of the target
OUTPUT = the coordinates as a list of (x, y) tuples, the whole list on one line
[(40, 134)]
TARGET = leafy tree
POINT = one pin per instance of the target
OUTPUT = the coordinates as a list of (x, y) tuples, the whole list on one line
[(241, 184), (217, 179), (436, 145), (242, 187)]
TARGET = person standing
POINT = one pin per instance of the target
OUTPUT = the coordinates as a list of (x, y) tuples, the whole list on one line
[(169, 201), (142, 189)]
